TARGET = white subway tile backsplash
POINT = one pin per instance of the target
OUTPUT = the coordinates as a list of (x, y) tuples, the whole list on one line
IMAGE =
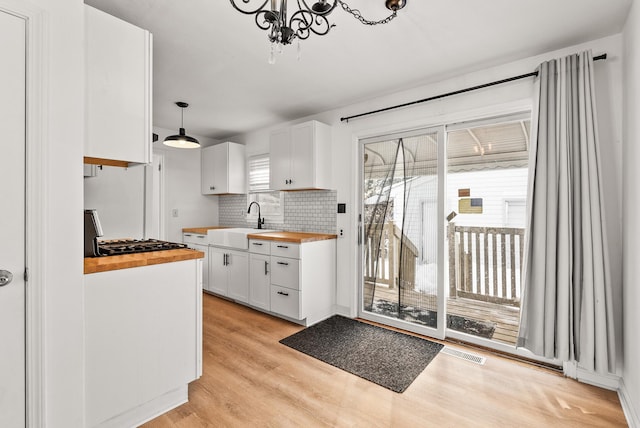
[(305, 211)]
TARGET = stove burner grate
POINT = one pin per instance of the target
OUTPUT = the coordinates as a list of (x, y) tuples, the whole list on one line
[(131, 246)]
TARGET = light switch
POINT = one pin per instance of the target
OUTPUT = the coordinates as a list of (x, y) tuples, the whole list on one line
[(174, 212)]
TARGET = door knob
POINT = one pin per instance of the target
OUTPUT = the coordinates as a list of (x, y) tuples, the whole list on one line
[(5, 277)]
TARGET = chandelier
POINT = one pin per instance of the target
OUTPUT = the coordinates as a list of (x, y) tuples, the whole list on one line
[(284, 27)]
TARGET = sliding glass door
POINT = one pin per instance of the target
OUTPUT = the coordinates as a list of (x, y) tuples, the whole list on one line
[(487, 170), (403, 231), (442, 226)]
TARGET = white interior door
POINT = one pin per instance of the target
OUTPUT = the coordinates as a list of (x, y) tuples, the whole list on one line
[(12, 223)]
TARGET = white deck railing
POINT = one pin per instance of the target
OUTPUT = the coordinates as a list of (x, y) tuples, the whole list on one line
[(485, 263)]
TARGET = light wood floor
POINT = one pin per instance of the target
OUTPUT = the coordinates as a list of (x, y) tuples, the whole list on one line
[(250, 380)]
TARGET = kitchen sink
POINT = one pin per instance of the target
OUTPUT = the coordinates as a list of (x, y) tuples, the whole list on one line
[(233, 237)]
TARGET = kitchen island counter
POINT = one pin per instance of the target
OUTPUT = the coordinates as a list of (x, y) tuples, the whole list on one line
[(143, 334), (294, 237), (126, 261)]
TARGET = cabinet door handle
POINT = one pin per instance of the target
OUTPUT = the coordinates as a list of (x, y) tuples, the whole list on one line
[(212, 187), (200, 236), (225, 259), (257, 243), (266, 265), (282, 293), (188, 234), (283, 246), (283, 263)]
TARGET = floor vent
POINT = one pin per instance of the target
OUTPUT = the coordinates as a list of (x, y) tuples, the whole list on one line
[(464, 355)]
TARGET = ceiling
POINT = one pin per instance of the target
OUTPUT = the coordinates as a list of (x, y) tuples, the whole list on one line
[(213, 57)]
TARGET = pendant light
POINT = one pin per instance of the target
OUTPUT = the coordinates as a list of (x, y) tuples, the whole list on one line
[(182, 140)]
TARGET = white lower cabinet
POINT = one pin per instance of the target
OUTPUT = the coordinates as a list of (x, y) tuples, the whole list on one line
[(143, 341), (285, 272), (259, 281), (285, 301), (300, 277), (198, 242), (229, 273)]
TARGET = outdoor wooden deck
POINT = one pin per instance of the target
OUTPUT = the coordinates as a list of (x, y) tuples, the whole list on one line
[(505, 317)]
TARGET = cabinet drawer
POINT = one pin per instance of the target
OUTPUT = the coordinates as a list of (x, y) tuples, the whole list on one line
[(194, 238), (285, 249), (285, 272), (285, 301), (258, 246)]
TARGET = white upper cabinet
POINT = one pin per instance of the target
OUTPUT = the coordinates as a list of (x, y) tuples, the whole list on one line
[(223, 169), (279, 159), (118, 89), (300, 157)]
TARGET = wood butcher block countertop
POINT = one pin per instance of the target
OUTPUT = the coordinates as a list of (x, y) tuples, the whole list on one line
[(202, 230), (126, 261), (295, 237)]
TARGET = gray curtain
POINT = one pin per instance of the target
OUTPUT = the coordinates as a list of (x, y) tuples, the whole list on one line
[(567, 298)]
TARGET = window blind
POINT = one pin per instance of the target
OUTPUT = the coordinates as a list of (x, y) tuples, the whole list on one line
[(259, 173)]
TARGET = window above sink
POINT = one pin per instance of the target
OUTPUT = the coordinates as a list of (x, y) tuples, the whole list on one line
[(271, 202)]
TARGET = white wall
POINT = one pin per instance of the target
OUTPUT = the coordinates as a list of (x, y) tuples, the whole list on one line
[(118, 195), (64, 294), (505, 99), (630, 208), (182, 188)]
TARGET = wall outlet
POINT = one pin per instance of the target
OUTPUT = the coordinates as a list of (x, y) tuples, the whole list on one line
[(174, 212)]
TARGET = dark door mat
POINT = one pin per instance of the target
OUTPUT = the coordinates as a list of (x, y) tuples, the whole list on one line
[(386, 357)]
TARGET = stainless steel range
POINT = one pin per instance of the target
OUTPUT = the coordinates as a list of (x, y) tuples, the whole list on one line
[(130, 246)]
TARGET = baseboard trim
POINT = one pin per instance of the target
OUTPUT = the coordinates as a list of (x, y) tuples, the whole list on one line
[(345, 311), (150, 410), (631, 413), (607, 381)]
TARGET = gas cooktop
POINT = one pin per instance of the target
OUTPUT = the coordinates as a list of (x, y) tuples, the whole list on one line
[(130, 246)]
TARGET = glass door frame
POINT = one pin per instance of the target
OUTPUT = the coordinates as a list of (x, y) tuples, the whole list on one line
[(442, 275), (441, 332)]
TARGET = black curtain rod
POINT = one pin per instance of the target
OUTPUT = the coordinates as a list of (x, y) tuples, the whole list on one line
[(448, 94)]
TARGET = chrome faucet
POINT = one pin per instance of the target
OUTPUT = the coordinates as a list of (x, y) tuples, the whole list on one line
[(260, 219)]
